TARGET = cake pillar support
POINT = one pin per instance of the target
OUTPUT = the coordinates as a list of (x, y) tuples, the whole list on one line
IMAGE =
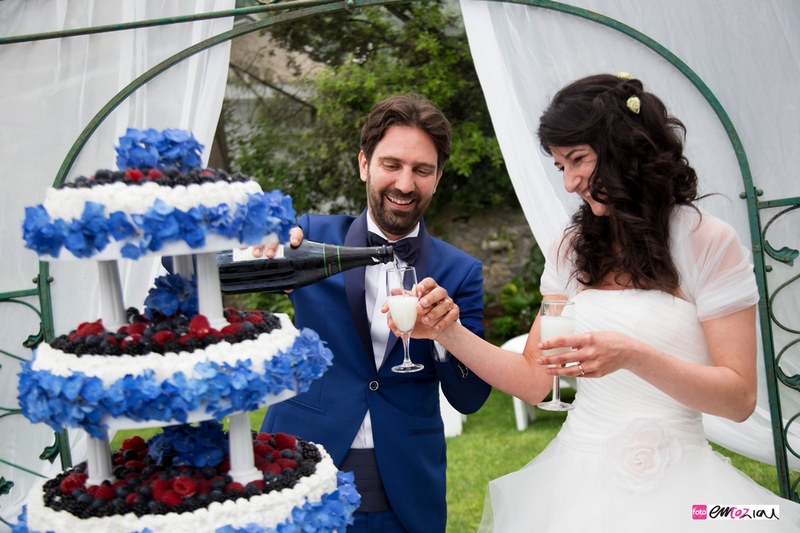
[(111, 303), (182, 264), (99, 461), (241, 449), (209, 292)]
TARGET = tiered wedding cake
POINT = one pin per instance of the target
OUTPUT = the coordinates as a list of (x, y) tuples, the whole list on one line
[(183, 360)]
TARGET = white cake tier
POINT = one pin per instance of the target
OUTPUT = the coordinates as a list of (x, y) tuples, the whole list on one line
[(265, 510), (118, 220), (110, 368), (68, 203), (98, 392)]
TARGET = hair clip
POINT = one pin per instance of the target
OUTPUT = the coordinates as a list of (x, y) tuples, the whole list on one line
[(625, 76), (634, 104)]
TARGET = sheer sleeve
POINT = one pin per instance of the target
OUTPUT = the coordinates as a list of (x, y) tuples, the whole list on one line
[(557, 276), (716, 270)]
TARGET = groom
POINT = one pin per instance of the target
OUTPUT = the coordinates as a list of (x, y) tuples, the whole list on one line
[(383, 426)]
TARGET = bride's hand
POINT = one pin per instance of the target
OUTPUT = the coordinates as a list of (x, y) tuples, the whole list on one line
[(597, 354)]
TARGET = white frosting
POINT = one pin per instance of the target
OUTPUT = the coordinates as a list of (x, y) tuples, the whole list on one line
[(267, 510), (111, 368), (68, 203)]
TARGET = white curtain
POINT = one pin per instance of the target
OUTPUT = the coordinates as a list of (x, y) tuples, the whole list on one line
[(747, 52), (49, 91)]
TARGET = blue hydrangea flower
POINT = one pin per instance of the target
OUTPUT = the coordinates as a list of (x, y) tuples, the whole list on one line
[(172, 293), (119, 226), (151, 148)]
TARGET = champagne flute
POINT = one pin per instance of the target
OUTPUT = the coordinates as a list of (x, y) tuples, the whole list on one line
[(556, 319), (401, 289)]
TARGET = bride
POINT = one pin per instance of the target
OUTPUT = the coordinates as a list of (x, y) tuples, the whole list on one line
[(665, 330)]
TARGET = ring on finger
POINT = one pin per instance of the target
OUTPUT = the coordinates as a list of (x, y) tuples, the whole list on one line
[(581, 369)]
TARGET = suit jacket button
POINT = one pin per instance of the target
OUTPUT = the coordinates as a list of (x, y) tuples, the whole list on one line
[(373, 385)]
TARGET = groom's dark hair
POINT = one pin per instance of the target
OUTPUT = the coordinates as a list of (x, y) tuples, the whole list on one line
[(410, 110)]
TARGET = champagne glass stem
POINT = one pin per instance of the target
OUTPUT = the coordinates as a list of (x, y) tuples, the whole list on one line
[(556, 389), (406, 355)]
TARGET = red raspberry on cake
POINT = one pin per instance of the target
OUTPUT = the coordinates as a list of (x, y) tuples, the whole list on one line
[(185, 486), (88, 328), (274, 468), (254, 318), (72, 482), (162, 336), (138, 465), (137, 328), (286, 463), (105, 492), (135, 443), (231, 329), (135, 174), (258, 483), (264, 437), (284, 441), (234, 486), (171, 498), (260, 449), (159, 487), (199, 326)]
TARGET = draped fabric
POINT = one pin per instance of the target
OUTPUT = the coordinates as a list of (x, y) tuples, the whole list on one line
[(49, 91), (746, 52)]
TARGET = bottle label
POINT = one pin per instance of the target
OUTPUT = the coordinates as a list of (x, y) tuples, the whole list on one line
[(246, 254)]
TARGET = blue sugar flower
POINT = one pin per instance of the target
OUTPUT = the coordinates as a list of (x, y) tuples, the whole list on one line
[(219, 219), (138, 149), (72, 386), (182, 150), (39, 232), (130, 251), (206, 369), (192, 226), (92, 391), (119, 226), (172, 293)]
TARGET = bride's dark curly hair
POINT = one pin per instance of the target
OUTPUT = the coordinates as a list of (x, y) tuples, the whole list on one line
[(641, 175)]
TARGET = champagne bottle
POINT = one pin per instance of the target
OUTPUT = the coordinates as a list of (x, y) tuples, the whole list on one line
[(306, 264)]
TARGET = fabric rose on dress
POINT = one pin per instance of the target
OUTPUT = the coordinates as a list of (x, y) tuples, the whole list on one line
[(638, 453)]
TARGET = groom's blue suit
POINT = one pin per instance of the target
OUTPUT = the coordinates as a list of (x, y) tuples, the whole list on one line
[(407, 427)]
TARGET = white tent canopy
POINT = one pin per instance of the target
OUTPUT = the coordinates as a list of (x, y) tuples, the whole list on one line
[(746, 52), (49, 91)]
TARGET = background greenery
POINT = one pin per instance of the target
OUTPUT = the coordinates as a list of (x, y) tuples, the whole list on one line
[(306, 143)]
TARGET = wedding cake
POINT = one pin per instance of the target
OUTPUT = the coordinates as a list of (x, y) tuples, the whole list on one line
[(185, 363)]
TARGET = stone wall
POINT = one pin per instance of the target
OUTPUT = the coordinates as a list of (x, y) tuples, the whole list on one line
[(500, 238)]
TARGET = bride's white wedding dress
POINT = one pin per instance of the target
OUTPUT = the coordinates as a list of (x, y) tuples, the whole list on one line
[(629, 457)]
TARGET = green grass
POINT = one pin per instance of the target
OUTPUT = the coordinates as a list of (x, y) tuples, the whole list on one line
[(490, 446)]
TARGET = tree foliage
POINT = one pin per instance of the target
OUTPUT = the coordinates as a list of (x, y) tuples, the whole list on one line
[(308, 146)]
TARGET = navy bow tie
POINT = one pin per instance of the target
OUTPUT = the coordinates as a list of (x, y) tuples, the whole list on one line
[(406, 249)]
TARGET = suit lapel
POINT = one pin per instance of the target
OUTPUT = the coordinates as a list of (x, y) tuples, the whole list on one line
[(421, 265), (354, 285)]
